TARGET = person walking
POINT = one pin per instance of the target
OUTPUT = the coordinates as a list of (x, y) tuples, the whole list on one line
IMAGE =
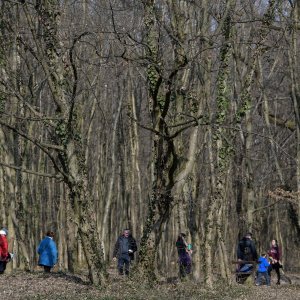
[(47, 252), (124, 250), (275, 256), (4, 254), (184, 255)]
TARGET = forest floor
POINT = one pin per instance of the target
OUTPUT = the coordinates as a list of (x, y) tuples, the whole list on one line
[(62, 286)]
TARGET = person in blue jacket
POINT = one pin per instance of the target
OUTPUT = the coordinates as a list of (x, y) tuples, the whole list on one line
[(47, 252), (262, 270)]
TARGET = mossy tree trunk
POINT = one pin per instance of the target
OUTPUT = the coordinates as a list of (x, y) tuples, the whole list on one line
[(66, 149), (219, 140), (162, 86)]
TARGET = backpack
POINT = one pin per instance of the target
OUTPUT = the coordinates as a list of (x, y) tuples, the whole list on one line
[(247, 250)]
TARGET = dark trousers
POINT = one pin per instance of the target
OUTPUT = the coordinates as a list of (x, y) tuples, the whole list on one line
[(2, 266), (47, 269), (123, 260), (276, 266), (185, 264)]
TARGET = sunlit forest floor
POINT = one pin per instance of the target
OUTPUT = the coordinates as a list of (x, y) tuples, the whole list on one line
[(60, 286)]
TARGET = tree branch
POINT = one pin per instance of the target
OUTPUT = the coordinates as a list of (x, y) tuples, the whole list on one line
[(55, 176), (43, 147), (266, 206)]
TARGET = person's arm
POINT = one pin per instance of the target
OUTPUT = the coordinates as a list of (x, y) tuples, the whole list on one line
[(239, 252), (184, 242), (133, 245), (54, 252), (116, 248), (254, 252), (279, 253), (266, 263), (41, 247)]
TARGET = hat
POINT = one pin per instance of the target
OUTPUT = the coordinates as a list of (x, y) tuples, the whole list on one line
[(4, 231)]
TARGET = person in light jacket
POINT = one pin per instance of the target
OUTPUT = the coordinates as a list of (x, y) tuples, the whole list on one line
[(47, 252)]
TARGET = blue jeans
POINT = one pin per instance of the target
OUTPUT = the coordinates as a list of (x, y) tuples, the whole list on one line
[(123, 259), (263, 274)]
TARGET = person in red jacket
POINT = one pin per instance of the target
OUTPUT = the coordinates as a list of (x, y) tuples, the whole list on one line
[(4, 254), (275, 255)]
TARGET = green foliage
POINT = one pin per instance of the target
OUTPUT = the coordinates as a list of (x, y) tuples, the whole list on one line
[(246, 101), (62, 132), (222, 81), (270, 14), (153, 77), (246, 105), (224, 154), (223, 104), (222, 85), (161, 101)]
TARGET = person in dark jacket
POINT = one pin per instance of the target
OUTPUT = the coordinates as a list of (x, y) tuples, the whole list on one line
[(275, 256), (124, 250), (4, 254), (48, 252), (184, 255), (246, 249), (246, 252)]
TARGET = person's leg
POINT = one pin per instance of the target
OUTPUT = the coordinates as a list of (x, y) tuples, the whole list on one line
[(181, 270), (47, 269), (258, 281), (270, 268), (127, 264), (188, 268), (277, 270), (188, 264), (120, 265), (267, 278), (2, 266), (182, 266)]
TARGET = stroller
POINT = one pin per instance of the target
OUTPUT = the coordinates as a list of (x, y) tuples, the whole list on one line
[(244, 271)]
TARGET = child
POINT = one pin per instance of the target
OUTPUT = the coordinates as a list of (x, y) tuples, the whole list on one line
[(262, 271)]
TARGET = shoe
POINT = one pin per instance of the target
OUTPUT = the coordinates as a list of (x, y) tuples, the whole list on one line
[(278, 282)]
